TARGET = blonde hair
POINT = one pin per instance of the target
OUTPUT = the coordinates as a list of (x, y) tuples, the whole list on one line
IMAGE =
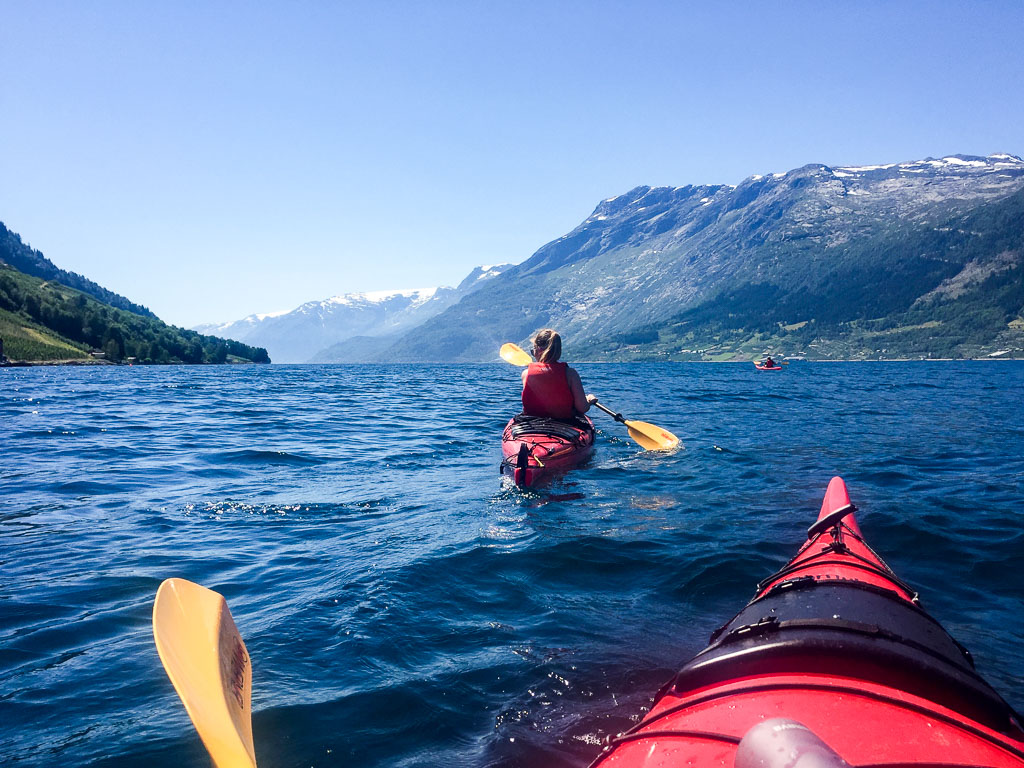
[(549, 345)]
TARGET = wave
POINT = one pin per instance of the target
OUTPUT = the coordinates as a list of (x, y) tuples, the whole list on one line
[(253, 456)]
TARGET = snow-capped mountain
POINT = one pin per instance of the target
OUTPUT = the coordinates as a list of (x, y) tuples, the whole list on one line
[(685, 267), (297, 335), (911, 258)]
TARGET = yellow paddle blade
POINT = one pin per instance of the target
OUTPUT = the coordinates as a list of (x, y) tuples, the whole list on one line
[(204, 656), (652, 437), (511, 353)]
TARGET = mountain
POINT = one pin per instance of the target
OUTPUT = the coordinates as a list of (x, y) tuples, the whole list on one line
[(342, 328), (29, 261), (48, 314), (44, 320), (907, 259)]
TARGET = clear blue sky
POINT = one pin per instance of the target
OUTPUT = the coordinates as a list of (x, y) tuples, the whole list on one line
[(213, 159)]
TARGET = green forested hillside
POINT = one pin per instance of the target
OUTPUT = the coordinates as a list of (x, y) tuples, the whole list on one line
[(45, 320), (26, 340), (31, 262)]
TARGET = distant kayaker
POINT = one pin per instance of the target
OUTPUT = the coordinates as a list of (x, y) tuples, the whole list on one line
[(551, 389), (768, 362)]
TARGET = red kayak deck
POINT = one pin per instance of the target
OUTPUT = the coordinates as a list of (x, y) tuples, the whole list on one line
[(836, 642), (767, 367), (536, 449)]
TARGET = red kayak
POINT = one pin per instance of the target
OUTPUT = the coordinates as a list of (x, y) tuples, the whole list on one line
[(833, 663), (767, 367), (534, 448)]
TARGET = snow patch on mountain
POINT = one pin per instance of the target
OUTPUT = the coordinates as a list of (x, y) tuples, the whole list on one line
[(1000, 161), (416, 295)]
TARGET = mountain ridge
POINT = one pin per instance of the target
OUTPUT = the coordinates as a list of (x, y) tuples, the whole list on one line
[(48, 314), (319, 330), (29, 261), (44, 320), (646, 256)]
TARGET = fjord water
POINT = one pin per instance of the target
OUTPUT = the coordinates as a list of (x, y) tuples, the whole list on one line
[(401, 605)]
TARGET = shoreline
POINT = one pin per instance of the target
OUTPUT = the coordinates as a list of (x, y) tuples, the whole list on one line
[(33, 363), (104, 363)]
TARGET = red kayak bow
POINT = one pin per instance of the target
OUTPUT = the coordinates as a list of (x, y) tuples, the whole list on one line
[(833, 658)]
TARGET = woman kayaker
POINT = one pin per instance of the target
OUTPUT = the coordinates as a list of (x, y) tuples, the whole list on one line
[(551, 389)]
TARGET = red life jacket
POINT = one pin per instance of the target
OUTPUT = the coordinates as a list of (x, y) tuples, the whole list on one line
[(546, 391)]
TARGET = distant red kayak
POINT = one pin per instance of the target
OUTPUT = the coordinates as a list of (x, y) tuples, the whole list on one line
[(833, 658), (767, 367), (535, 449)]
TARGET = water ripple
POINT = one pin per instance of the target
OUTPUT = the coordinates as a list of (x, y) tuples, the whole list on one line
[(403, 605)]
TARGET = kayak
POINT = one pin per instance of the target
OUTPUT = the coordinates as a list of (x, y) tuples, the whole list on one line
[(767, 367), (534, 448), (833, 662)]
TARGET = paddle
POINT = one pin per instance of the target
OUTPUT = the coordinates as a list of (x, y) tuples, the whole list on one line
[(510, 353), (204, 656), (649, 436)]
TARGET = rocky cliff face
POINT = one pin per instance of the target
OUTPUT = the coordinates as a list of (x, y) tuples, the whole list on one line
[(645, 258)]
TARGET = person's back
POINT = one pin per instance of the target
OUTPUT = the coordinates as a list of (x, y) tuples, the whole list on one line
[(547, 392), (551, 389)]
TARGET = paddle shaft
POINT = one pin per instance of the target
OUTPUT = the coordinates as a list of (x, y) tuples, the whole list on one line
[(617, 416)]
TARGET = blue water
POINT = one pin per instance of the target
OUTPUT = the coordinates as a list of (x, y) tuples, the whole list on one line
[(404, 608)]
